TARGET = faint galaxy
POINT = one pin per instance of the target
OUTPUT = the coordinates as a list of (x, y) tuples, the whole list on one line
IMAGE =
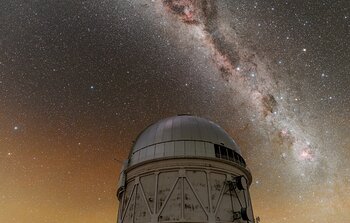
[(80, 79)]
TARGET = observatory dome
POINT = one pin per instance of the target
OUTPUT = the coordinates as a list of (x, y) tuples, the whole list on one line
[(184, 169), (182, 135)]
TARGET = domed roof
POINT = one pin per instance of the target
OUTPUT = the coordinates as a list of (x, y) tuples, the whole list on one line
[(184, 128)]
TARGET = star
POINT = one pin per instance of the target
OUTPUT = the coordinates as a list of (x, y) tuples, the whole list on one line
[(87, 77)]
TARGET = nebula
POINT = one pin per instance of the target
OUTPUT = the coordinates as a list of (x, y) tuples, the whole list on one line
[(247, 73), (80, 80), (233, 63)]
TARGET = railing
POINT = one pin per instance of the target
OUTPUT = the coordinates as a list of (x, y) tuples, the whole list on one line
[(223, 152)]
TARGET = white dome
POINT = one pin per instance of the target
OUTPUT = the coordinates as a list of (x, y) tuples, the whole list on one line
[(178, 171), (184, 136)]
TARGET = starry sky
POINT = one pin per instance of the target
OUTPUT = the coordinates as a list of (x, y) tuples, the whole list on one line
[(80, 79)]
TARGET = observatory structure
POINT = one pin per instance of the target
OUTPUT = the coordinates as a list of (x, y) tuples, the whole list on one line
[(184, 169)]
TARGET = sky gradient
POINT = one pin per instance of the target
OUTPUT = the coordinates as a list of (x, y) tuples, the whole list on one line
[(80, 79)]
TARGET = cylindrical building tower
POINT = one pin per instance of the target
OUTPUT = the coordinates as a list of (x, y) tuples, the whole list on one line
[(184, 169)]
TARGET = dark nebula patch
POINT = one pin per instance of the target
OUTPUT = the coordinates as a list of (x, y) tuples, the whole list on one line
[(269, 103), (185, 9)]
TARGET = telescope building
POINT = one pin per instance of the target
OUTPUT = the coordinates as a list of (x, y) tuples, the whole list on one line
[(184, 169)]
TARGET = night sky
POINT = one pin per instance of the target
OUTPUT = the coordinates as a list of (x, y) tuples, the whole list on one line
[(80, 79)]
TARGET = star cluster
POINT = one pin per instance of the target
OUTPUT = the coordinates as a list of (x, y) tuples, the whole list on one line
[(80, 79)]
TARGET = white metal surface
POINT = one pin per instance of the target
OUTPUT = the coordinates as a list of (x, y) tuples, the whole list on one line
[(185, 169), (184, 190), (183, 135)]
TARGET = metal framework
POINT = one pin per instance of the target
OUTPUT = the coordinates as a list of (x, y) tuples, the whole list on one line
[(212, 196)]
